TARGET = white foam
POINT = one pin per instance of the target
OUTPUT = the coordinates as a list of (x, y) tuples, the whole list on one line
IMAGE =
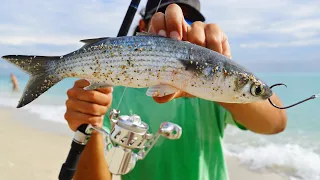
[(290, 159), (46, 112), (256, 151), (296, 155)]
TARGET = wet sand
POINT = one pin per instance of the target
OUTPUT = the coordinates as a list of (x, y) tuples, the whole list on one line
[(32, 149)]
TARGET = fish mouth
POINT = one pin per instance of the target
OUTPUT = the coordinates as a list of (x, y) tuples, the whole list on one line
[(267, 93)]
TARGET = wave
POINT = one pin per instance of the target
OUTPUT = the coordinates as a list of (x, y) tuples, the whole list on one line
[(48, 112), (291, 159), (296, 153)]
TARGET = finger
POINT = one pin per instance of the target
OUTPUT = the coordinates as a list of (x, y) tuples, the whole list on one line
[(105, 90), (86, 108), (175, 23), (196, 34), (158, 24), (214, 37), (75, 119), (166, 98), (226, 50), (81, 83), (90, 96), (169, 97)]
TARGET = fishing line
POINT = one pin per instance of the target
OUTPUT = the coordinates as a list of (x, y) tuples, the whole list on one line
[(124, 90), (126, 87), (155, 12)]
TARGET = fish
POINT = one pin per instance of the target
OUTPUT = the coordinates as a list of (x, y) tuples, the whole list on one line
[(162, 65)]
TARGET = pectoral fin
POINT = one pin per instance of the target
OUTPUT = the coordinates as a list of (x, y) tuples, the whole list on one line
[(161, 90), (96, 85)]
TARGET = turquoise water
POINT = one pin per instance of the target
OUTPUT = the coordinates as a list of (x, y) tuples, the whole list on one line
[(295, 152), (300, 86)]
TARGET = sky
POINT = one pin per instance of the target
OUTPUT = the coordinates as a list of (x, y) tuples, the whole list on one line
[(265, 35)]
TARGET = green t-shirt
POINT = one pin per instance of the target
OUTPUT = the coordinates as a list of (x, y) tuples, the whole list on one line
[(197, 155)]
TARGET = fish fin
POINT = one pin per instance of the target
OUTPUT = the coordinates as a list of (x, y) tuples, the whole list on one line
[(40, 77), (144, 34), (200, 67), (148, 34), (96, 85), (92, 41), (161, 90), (32, 65)]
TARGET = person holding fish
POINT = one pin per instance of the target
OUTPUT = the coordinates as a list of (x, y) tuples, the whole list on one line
[(187, 69), (198, 154)]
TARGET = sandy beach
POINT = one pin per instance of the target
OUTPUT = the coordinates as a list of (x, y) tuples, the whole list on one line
[(29, 152), (37, 148), (239, 172)]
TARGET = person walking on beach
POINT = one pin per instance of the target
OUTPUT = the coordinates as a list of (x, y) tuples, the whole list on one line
[(14, 82), (198, 154)]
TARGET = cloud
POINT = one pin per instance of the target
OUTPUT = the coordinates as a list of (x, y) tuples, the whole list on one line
[(66, 22), (297, 43), (58, 22), (55, 27), (300, 29), (40, 39), (282, 21)]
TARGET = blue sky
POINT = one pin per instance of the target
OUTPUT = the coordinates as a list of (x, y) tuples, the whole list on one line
[(264, 35)]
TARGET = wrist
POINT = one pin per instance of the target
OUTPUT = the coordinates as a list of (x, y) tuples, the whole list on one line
[(95, 132), (98, 126)]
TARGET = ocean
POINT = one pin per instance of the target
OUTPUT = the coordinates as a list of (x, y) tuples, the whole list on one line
[(294, 152)]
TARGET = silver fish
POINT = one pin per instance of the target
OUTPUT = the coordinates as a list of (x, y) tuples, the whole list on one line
[(164, 65)]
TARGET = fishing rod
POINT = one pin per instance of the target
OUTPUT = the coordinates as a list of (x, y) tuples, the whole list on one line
[(127, 21), (83, 132)]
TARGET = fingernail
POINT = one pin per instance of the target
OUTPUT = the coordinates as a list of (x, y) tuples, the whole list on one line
[(162, 33), (175, 35)]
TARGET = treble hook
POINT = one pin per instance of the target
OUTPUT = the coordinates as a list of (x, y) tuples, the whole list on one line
[(281, 84)]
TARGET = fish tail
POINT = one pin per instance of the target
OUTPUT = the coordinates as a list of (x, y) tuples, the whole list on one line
[(41, 75)]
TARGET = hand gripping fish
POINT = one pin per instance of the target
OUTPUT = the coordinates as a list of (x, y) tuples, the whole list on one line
[(162, 64)]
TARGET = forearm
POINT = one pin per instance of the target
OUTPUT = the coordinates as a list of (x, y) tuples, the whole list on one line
[(260, 117), (92, 163)]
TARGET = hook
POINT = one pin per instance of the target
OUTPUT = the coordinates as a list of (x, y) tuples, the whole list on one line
[(281, 84)]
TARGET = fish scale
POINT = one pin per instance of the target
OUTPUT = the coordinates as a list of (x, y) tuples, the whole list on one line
[(145, 61)]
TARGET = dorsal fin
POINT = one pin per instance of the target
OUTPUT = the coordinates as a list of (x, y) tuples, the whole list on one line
[(91, 41), (144, 34), (147, 34)]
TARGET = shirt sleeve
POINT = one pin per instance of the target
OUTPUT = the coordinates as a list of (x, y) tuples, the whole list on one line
[(230, 120)]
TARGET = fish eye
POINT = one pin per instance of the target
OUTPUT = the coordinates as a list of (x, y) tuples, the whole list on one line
[(257, 90)]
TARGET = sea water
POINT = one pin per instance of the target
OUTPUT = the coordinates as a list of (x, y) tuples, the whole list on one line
[(294, 152)]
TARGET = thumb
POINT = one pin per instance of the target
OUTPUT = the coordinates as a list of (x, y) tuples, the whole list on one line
[(166, 98), (81, 83), (169, 97)]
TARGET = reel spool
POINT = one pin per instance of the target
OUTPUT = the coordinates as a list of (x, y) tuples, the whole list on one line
[(128, 135)]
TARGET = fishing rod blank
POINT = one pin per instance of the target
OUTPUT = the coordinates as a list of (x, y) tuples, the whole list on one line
[(126, 23), (79, 141)]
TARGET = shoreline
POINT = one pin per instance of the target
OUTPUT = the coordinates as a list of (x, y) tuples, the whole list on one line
[(238, 171), (28, 152), (37, 148)]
